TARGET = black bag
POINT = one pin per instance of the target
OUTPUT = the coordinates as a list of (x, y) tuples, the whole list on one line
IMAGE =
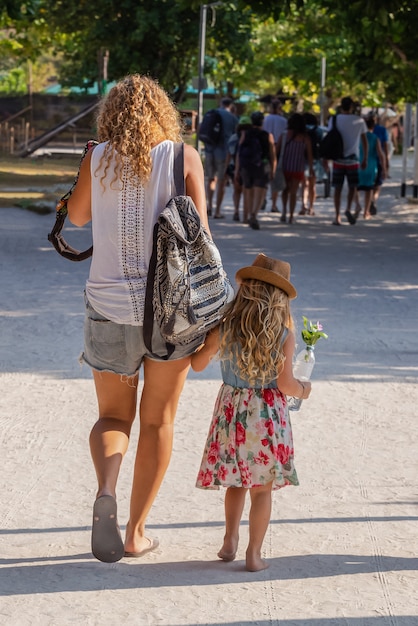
[(187, 290), (315, 137), (55, 236), (250, 150), (210, 129), (332, 145)]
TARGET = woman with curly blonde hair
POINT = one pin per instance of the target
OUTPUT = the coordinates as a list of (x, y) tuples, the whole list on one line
[(123, 185), (250, 445)]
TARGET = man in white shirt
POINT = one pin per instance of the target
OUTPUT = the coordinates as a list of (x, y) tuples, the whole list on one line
[(353, 130)]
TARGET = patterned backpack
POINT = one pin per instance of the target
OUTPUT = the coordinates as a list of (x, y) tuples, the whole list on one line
[(188, 290)]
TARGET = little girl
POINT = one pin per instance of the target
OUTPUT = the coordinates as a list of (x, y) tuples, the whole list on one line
[(249, 445)]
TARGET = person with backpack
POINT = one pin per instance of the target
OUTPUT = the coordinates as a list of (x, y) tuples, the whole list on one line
[(255, 163), (352, 129), (244, 124), (215, 130), (297, 152), (124, 184)]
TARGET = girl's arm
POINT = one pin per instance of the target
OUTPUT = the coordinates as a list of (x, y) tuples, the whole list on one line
[(205, 354), (286, 382), (79, 203), (195, 182)]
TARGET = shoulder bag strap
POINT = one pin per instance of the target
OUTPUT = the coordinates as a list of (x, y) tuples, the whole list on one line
[(149, 291)]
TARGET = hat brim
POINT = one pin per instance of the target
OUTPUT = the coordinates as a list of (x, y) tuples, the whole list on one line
[(266, 276)]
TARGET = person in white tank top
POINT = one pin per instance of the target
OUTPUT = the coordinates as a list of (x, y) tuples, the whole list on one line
[(124, 183)]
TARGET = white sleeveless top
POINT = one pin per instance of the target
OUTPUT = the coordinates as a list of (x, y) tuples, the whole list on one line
[(123, 218)]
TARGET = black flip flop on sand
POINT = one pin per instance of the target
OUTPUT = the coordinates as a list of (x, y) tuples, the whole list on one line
[(106, 540)]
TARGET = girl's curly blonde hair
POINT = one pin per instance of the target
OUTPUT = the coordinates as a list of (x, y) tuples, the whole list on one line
[(136, 115), (255, 323)]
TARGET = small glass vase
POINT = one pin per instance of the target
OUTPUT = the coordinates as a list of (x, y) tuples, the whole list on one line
[(302, 370)]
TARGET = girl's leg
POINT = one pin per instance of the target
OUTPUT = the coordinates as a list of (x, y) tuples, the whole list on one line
[(259, 520), (163, 383), (234, 505), (109, 436)]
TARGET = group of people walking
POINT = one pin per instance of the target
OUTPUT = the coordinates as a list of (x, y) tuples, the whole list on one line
[(261, 151)]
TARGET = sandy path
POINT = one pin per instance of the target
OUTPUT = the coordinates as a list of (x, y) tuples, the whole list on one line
[(342, 546)]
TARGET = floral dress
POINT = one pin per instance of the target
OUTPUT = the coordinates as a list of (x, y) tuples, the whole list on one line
[(250, 441)]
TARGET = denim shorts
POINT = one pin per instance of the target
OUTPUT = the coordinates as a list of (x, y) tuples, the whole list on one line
[(214, 165), (120, 348)]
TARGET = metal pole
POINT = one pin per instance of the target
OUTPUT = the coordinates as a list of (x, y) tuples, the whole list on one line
[(415, 185), (405, 146), (322, 92)]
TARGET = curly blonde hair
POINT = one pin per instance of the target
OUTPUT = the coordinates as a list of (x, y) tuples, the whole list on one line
[(136, 115), (255, 323)]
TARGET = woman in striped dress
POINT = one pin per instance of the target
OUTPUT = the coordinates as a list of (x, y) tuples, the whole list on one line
[(297, 153)]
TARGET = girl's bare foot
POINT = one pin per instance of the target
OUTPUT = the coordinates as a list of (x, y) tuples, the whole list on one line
[(229, 549), (254, 563)]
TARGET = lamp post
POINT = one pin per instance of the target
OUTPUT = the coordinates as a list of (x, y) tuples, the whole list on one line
[(202, 45)]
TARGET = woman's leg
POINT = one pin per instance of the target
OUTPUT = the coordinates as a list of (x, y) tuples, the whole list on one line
[(368, 195), (234, 505), (109, 436), (293, 185), (109, 440), (236, 197), (248, 199), (163, 383), (312, 194), (259, 520), (285, 194)]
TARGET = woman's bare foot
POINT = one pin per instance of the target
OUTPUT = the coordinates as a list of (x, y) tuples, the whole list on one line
[(229, 549), (138, 544), (254, 563)]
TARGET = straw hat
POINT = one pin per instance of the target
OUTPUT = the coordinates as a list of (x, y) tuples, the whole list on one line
[(270, 271)]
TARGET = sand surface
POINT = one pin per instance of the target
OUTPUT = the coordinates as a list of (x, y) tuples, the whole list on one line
[(342, 546)]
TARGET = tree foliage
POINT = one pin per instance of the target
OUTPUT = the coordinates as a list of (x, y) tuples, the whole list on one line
[(264, 45)]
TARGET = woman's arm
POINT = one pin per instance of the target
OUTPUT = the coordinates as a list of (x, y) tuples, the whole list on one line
[(272, 156), (279, 147), (79, 203), (286, 382), (382, 158), (205, 354), (195, 182)]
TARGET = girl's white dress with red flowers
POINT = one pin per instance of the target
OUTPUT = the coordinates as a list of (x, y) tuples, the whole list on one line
[(250, 440)]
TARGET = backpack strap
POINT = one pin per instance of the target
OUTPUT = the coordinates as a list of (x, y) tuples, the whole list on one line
[(179, 169), (149, 292)]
